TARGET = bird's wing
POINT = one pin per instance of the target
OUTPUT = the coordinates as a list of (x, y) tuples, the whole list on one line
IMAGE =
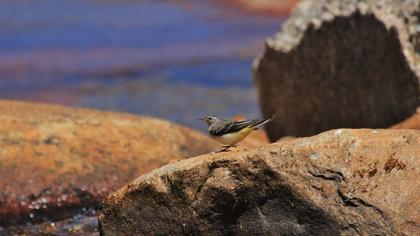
[(220, 127), (225, 127), (238, 125)]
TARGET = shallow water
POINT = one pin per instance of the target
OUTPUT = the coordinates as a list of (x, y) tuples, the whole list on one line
[(177, 60), (77, 225)]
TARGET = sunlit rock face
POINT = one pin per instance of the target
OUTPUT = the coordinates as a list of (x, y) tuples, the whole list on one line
[(57, 161), (341, 64), (341, 182)]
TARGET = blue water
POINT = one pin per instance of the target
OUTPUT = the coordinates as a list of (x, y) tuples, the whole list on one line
[(177, 60)]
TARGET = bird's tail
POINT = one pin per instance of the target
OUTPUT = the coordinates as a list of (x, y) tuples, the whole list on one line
[(263, 122)]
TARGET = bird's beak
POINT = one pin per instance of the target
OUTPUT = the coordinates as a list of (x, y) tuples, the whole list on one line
[(202, 118)]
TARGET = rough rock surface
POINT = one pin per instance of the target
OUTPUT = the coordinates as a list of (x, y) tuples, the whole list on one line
[(349, 182), (56, 160), (344, 63)]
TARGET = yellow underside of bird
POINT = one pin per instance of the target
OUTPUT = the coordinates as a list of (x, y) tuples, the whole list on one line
[(233, 138)]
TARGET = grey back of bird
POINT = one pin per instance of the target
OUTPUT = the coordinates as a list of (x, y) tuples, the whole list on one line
[(221, 127)]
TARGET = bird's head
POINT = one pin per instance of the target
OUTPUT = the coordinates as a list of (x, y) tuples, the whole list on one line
[(209, 119)]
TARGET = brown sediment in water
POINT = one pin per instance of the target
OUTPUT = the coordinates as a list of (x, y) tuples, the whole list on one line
[(266, 7)]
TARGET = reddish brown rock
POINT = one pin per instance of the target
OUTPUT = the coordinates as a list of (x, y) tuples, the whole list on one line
[(342, 182), (412, 122), (56, 160), (341, 64)]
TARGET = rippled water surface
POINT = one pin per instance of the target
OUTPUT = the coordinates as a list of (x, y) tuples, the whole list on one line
[(176, 60)]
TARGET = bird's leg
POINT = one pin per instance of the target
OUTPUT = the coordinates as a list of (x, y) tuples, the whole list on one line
[(226, 147)]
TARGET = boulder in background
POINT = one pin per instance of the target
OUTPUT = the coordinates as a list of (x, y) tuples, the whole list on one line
[(341, 64)]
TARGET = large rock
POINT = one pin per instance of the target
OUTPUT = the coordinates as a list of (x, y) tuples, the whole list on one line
[(344, 63), (348, 182), (55, 160)]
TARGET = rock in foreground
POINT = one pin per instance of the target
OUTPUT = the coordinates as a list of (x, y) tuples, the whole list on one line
[(339, 182), (55, 160), (341, 63)]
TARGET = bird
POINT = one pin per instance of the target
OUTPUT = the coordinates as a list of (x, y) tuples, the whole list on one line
[(230, 132)]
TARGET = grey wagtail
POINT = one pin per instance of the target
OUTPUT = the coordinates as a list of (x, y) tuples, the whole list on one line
[(230, 132)]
